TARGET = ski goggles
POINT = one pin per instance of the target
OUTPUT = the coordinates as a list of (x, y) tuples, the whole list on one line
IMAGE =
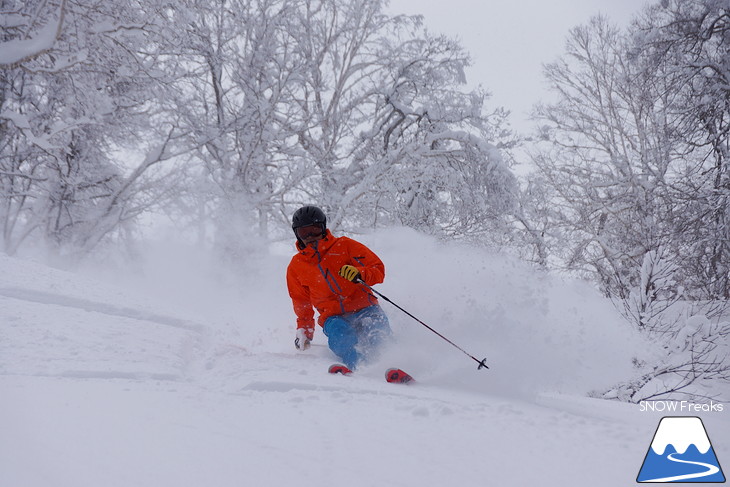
[(309, 231)]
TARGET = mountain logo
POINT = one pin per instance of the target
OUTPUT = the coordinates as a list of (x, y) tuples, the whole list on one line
[(681, 452)]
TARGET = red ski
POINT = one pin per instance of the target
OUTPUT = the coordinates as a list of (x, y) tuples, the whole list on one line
[(339, 369), (398, 376), (395, 376)]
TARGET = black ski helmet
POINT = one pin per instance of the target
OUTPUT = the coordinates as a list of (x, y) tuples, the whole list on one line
[(308, 215)]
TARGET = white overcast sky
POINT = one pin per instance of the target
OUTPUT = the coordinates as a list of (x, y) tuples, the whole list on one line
[(510, 40)]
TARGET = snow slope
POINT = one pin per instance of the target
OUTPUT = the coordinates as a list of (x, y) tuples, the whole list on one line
[(186, 376)]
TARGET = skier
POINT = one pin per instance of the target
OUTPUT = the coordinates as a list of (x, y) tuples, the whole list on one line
[(325, 275)]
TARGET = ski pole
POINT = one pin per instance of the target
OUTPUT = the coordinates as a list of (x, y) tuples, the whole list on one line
[(482, 363)]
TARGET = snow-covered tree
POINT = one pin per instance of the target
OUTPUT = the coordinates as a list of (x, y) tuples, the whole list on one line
[(689, 41), (233, 66), (331, 102), (76, 84), (391, 134), (634, 151), (608, 156)]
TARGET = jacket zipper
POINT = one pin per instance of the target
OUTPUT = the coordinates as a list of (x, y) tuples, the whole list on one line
[(329, 280)]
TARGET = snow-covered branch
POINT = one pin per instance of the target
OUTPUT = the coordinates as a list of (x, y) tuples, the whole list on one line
[(17, 51)]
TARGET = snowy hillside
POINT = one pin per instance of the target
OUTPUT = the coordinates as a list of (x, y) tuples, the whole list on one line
[(185, 374)]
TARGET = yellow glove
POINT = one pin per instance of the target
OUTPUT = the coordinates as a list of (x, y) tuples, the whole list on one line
[(350, 273)]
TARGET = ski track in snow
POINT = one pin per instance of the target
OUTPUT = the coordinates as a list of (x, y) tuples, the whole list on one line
[(101, 340), (97, 307)]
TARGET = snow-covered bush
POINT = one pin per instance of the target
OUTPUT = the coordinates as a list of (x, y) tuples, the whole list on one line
[(691, 360)]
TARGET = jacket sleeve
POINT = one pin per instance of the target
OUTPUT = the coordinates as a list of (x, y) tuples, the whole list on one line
[(300, 299), (371, 268)]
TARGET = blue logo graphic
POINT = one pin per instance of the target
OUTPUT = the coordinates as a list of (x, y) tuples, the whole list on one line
[(681, 452)]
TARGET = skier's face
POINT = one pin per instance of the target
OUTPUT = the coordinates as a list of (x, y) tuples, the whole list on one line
[(310, 234)]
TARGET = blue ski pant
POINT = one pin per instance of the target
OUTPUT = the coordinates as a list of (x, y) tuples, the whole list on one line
[(356, 337)]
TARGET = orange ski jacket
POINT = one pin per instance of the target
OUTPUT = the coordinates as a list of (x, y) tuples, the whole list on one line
[(313, 280)]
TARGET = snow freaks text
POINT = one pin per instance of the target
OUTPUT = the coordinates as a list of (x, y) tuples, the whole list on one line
[(680, 407)]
